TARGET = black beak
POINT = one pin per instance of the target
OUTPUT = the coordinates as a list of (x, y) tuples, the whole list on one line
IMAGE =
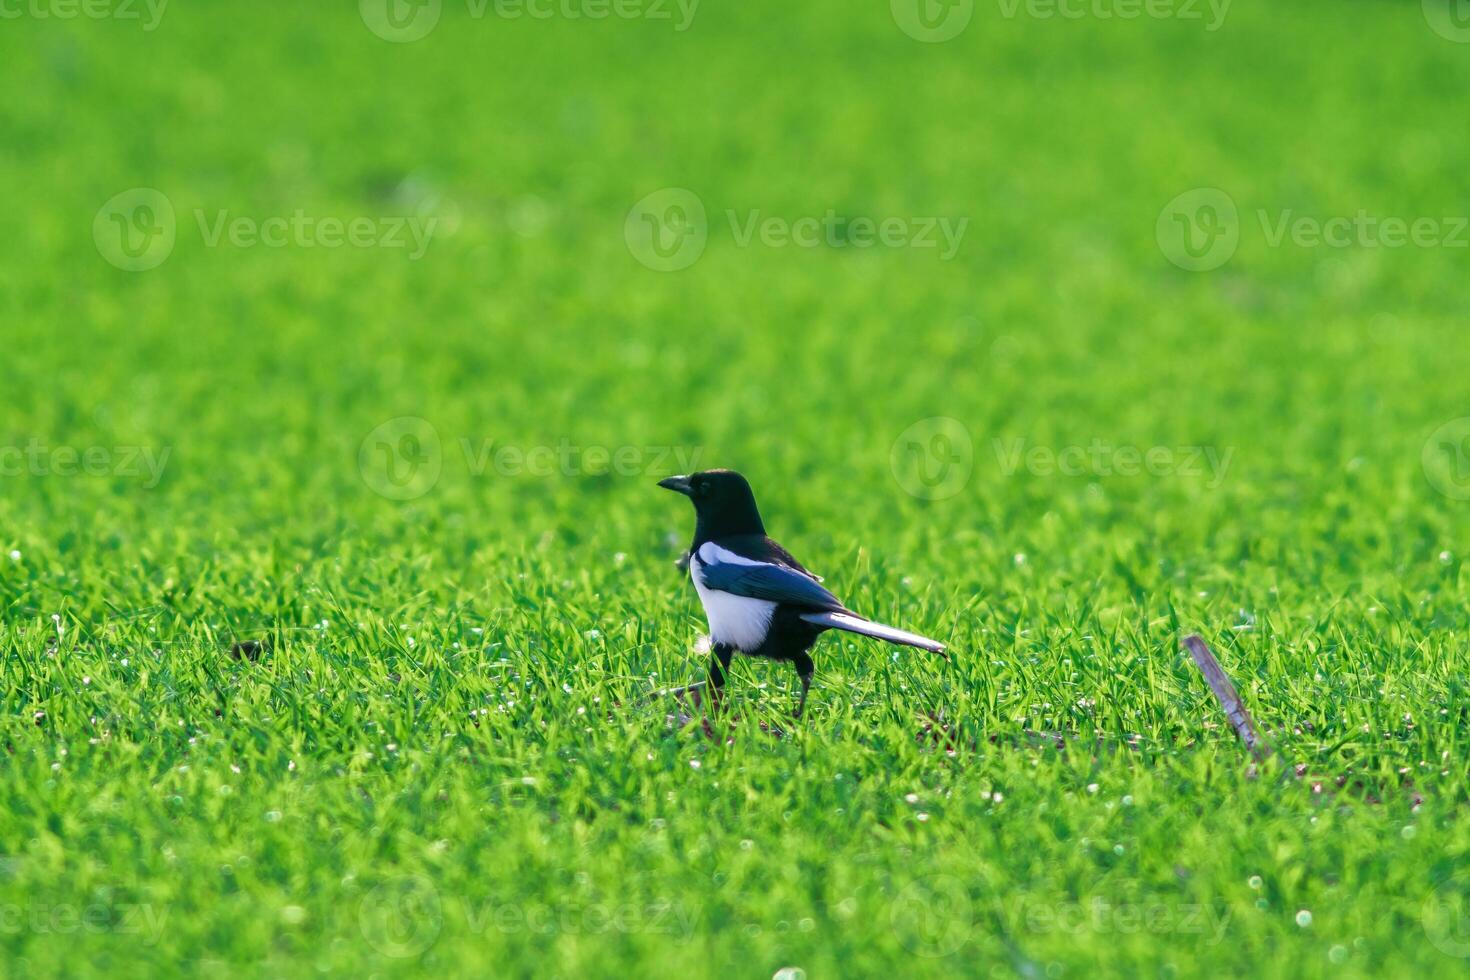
[(678, 484)]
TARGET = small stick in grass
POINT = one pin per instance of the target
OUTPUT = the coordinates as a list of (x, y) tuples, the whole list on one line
[(1235, 710)]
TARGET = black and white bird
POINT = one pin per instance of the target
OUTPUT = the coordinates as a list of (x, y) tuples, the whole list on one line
[(760, 601)]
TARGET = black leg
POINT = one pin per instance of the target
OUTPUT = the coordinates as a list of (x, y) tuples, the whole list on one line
[(804, 668), (719, 667)]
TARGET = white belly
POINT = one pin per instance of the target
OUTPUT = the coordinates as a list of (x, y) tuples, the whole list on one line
[(734, 620)]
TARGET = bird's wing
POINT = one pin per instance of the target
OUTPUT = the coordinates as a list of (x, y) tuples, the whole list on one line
[(725, 571), (778, 555)]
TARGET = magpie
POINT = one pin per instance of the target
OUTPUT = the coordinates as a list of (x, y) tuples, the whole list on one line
[(760, 601)]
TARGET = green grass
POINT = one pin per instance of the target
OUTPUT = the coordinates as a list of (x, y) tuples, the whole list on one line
[(445, 764)]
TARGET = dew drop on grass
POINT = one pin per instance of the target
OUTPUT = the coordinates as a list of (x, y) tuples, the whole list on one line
[(1304, 918)]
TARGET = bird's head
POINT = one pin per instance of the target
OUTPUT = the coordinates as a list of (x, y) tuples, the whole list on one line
[(723, 503)]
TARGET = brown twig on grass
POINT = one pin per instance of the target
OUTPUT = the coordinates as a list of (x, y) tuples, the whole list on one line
[(1224, 691)]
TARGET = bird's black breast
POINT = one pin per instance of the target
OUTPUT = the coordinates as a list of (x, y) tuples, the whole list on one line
[(789, 637)]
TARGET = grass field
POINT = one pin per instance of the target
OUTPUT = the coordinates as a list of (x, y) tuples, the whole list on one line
[(367, 338)]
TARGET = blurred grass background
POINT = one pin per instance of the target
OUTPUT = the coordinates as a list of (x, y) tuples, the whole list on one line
[(530, 322)]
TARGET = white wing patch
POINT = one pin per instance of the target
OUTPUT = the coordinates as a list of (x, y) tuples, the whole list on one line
[(734, 620), (712, 554)]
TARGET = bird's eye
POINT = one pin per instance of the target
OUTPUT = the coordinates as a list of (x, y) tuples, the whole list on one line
[(701, 488)]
